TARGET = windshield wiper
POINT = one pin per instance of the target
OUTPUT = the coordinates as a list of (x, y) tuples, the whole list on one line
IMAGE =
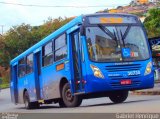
[(105, 30), (125, 34), (122, 38), (115, 37)]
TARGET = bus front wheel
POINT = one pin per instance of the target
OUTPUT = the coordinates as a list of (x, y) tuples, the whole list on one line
[(119, 96), (61, 103), (68, 99)]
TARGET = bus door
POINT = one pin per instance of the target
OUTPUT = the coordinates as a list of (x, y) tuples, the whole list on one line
[(77, 62), (14, 83), (37, 61)]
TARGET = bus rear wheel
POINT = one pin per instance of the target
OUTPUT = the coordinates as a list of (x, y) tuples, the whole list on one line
[(28, 104), (68, 99), (119, 96)]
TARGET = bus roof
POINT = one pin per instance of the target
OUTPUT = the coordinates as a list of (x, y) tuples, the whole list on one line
[(109, 14), (77, 20), (53, 35)]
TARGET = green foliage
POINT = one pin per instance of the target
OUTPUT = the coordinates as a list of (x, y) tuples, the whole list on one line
[(152, 23), (16, 40), (4, 85)]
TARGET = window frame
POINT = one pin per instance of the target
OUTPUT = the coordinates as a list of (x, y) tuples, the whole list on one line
[(55, 50), (46, 55), (24, 58), (32, 63)]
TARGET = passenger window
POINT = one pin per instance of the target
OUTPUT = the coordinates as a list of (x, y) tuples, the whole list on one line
[(60, 42), (21, 68), (60, 47), (47, 54), (29, 66)]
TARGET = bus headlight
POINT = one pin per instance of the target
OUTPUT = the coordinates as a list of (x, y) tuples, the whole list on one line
[(148, 68), (96, 71)]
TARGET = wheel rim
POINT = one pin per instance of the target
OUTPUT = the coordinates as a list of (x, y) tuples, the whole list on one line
[(68, 95)]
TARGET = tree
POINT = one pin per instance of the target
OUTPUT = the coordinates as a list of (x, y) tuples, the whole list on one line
[(3, 54), (16, 40), (152, 23)]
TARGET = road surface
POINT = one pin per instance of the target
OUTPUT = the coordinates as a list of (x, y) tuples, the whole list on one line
[(134, 103)]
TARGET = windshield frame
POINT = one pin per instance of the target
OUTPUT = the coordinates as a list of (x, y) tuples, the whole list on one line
[(124, 24)]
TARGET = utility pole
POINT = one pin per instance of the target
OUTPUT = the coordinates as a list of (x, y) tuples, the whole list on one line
[(1, 29)]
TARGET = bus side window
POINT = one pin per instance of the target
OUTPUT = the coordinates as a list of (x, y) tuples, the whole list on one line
[(47, 54), (29, 62), (60, 47), (22, 68)]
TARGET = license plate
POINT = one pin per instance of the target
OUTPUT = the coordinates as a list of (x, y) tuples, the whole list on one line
[(126, 82)]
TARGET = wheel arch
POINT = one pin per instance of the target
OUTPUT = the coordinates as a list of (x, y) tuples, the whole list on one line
[(24, 91), (21, 97), (63, 81)]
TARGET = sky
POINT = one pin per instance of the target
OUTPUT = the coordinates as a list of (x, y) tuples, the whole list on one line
[(12, 15)]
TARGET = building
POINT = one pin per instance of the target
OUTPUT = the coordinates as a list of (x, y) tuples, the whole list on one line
[(139, 2)]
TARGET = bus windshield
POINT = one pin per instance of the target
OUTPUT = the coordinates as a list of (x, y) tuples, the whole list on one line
[(116, 43)]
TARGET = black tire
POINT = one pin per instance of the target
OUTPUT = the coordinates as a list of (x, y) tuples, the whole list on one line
[(35, 105), (61, 103), (28, 104), (68, 99), (119, 96)]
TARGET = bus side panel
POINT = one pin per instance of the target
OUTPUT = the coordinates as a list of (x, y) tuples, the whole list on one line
[(27, 83), (51, 78), (50, 82), (21, 88), (30, 85), (13, 83)]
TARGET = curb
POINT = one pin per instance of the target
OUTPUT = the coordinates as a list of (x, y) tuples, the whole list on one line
[(145, 92)]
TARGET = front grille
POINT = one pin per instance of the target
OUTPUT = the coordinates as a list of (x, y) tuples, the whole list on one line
[(117, 68)]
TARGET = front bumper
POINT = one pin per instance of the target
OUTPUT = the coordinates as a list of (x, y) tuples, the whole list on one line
[(100, 85)]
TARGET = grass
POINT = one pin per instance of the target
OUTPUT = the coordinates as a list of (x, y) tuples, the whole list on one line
[(4, 85)]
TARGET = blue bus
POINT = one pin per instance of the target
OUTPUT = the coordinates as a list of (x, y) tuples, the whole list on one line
[(96, 55)]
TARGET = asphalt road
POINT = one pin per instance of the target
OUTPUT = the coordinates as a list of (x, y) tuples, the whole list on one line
[(134, 103)]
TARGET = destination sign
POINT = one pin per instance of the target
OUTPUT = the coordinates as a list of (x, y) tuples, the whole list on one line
[(112, 20)]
